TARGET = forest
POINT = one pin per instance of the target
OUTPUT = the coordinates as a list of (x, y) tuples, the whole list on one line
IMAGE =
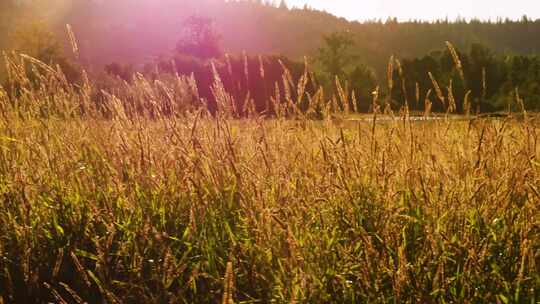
[(499, 57)]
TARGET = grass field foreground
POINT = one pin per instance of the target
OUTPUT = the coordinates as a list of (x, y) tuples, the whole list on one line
[(200, 208)]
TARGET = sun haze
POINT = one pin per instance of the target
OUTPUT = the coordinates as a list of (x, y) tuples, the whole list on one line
[(424, 9)]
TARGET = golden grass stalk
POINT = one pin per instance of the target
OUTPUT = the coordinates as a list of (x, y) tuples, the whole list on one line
[(390, 75), (343, 96), (467, 103), (39, 63), (521, 103), (375, 100), (484, 83), (427, 104), (403, 85), (228, 283), (456, 59), (72, 293), (261, 67), (80, 269), (246, 68), (354, 102), (437, 89), (451, 100), (73, 41), (55, 294), (229, 65), (417, 93)]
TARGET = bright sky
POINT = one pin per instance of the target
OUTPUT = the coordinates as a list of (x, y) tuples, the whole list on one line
[(425, 9)]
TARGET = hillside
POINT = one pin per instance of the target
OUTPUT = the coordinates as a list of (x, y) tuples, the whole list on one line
[(137, 31)]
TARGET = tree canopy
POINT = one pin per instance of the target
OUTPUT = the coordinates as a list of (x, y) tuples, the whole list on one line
[(199, 38), (499, 57)]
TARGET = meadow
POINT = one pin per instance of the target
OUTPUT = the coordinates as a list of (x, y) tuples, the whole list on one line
[(144, 196)]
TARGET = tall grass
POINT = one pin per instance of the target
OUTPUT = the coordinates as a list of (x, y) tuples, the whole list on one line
[(142, 196)]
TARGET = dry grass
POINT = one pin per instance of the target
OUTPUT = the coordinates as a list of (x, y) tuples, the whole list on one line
[(105, 202)]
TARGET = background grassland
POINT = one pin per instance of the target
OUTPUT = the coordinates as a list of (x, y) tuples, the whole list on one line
[(101, 202)]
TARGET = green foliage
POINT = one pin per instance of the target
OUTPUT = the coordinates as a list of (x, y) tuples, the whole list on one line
[(335, 56), (362, 83), (491, 78), (34, 39), (338, 66)]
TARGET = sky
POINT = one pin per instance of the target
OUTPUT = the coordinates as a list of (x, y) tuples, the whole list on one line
[(425, 9)]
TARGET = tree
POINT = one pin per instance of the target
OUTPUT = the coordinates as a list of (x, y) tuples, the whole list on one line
[(486, 74), (9, 13), (124, 72), (36, 40), (363, 83), (199, 39), (336, 59), (334, 56)]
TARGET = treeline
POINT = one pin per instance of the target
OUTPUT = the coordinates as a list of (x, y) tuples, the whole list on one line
[(481, 82), (130, 35), (248, 84), (477, 77), (498, 65), (134, 32)]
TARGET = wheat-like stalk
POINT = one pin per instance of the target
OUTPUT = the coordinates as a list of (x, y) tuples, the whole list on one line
[(451, 100), (73, 41), (261, 67), (427, 104), (228, 283), (437, 89), (390, 75), (457, 60), (520, 101), (467, 103)]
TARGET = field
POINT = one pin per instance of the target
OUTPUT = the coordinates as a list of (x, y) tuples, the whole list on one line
[(120, 206)]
